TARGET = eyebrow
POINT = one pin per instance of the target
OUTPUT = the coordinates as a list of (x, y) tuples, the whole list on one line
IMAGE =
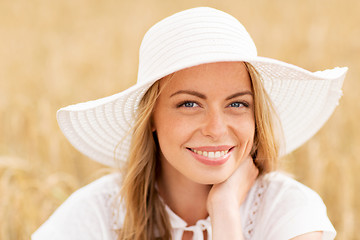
[(197, 94), (238, 94), (200, 95)]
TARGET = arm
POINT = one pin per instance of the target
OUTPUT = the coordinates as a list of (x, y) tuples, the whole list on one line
[(225, 198), (226, 221)]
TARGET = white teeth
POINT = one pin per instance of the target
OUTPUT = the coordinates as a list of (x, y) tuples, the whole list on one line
[(216, 154)]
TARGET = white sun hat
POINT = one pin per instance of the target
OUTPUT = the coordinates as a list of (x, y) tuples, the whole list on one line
[(303, 100)]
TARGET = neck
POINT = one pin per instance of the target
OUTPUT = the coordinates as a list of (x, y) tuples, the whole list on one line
[(184, 197)]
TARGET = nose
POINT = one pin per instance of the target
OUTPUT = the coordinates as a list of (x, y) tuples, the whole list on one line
[(215, 126)]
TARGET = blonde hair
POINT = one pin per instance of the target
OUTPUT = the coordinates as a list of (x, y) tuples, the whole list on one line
[(265, 151), (145, 212)]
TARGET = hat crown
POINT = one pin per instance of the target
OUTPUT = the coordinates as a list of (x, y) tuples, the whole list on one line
[(192, 37)]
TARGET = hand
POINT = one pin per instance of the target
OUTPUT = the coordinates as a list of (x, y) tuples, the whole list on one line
[(225, 198), (235, 189)]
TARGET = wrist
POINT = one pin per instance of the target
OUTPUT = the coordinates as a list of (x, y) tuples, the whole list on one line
[(226, 220), (223, 205)]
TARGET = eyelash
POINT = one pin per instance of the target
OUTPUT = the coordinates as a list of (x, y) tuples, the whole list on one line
[(183, 104), (245, 104)]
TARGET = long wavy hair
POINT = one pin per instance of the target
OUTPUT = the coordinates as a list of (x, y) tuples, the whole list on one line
[(146, 217)]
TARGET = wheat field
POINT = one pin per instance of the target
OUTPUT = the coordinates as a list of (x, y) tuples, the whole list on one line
[(60, 52)]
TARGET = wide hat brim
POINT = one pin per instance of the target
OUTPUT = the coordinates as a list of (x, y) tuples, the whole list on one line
[(303, 100)]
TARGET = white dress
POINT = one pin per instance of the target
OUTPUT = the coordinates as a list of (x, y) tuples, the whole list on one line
[(276, 208)]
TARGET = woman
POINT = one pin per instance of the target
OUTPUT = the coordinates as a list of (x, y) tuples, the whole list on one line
[(200, 134)]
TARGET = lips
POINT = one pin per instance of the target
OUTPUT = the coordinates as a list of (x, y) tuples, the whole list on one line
[(212, 155)]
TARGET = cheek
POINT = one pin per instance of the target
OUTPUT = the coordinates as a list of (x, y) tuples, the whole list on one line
[(251, 133), (170, 127), (245, 131), (245, 126)]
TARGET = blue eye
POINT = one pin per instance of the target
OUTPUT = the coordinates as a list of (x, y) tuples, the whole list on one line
[(237, 104), (188, 104)]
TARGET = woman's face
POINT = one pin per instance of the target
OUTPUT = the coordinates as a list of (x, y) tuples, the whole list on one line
[(204, 120)]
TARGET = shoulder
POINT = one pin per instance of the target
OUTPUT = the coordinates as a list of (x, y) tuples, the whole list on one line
[(104, 186), (289, 209), (281, 188), (99, 194), (88, 212)]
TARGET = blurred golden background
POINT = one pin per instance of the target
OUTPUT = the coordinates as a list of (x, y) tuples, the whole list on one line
[(59, 52)]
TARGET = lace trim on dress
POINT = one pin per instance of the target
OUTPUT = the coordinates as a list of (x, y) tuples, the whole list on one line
[(112, 202), (256, 201)]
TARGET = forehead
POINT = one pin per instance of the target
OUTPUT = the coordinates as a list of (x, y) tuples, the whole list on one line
[(209, 77)]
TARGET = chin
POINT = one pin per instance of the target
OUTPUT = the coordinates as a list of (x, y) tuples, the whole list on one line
[(211, 180)]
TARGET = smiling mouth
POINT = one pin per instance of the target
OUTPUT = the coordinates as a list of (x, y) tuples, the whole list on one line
[(211, 154)]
